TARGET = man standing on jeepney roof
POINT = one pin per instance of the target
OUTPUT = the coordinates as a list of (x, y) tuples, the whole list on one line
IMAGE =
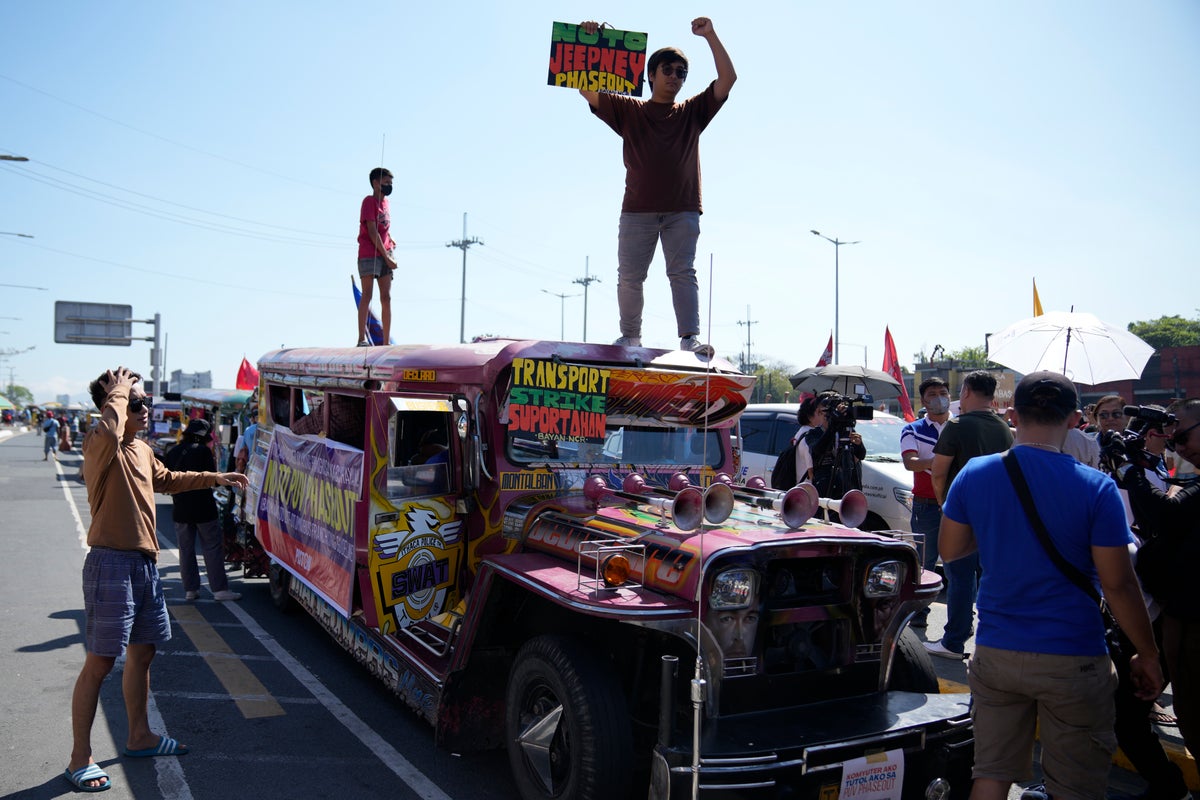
[(124, 608), (375, 262), (662, 181)]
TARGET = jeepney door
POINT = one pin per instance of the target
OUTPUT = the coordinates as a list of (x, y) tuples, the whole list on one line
[(415, 543)]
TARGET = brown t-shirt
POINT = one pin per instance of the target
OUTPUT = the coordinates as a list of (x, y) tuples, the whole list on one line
[(662, 148), (122, 476)]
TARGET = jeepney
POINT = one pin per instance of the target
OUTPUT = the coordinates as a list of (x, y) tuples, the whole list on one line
[(227, 410), (535, 545)]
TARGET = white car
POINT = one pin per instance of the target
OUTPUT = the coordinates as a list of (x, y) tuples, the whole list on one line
[(767, 428)]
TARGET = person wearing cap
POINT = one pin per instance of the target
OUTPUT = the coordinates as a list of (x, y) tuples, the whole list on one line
[(1041, 657), (125, 611), (195, 516)]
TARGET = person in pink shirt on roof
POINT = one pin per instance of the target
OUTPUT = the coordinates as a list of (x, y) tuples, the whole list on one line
[(375, 262)]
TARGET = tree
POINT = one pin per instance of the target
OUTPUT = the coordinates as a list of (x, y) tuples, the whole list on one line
[(19, 395), (971, 358), (773, 380), (1172, 331)]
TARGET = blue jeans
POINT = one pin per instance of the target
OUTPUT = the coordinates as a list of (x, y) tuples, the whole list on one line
[(962, 586), (637, 238), (927, 519)]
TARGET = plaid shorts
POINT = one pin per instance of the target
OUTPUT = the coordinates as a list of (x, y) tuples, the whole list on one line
[(123, 602)]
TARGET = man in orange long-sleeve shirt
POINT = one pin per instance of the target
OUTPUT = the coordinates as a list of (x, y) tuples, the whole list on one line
[(123, 597)]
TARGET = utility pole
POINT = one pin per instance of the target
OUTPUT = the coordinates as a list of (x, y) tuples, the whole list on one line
[(463, 244), (585, 281), (747, 322), (562, 312)]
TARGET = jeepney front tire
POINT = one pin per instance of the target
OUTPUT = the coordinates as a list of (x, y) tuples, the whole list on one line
[(566, 725), (912, 668), (279, 579)]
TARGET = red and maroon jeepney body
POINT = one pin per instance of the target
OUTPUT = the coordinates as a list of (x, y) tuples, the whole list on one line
[(535, 546)]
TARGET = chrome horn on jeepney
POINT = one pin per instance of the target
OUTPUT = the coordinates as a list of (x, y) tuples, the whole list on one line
[(796, 506), (686, 508), (852, 508)]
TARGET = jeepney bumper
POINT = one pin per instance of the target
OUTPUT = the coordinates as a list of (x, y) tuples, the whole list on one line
[(799, 752)]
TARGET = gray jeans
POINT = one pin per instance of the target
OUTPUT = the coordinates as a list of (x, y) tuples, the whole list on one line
[(637, 238), (212, 546)]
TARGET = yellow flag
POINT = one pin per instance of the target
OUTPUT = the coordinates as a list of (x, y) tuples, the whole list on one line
[(1037, 301)]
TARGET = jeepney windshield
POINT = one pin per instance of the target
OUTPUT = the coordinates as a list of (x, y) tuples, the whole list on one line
[(625, 445)]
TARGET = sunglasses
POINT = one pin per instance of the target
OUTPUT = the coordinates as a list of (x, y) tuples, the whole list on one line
[(678, 72), (1180, 437), (138, 403)]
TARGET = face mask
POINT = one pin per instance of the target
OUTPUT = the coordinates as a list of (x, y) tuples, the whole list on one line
[(386, 190), (937, 405)]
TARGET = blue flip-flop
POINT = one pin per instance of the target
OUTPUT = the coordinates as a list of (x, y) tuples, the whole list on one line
[(90, 772), (166, 747)]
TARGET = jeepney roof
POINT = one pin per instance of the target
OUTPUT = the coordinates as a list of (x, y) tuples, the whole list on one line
[(217, 397), (472, 363)]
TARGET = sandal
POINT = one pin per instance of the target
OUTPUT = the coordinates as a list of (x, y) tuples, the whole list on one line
[(1160, 717), (89, 772), (166, 747)]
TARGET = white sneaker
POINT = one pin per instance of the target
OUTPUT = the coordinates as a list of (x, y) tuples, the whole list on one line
[(192, 595), (940, 650), (694, 345), (364, 343), (226, 595), (629, 341), (1036, 792)]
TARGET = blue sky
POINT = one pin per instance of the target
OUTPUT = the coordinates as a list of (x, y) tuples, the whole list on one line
[(206, 162)]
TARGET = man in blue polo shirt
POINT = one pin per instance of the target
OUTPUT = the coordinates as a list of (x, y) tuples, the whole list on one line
[(1040, 655), (916, 450)]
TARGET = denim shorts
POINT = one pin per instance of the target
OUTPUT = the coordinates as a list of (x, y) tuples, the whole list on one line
[(374, 267), (123, 602)]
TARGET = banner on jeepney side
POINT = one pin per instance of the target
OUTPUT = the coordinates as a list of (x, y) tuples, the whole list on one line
[(608, 60), (558, 402), (309, 489)]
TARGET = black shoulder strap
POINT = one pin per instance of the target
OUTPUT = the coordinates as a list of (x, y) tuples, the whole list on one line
[(1072, 572)]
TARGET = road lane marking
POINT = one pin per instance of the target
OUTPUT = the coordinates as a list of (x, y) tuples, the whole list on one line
[(401, 767), (251, 697)]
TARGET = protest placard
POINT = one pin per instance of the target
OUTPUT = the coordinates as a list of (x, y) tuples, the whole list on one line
[(608, 60)]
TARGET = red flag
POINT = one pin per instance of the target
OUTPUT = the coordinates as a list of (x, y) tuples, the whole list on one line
[(827, 357), (247, 377), (891, 365)]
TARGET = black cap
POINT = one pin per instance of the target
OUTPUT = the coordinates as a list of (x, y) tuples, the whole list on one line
[(198, 427), (1046, 390)]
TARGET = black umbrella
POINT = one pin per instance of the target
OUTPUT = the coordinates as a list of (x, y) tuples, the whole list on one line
[(846, 379)]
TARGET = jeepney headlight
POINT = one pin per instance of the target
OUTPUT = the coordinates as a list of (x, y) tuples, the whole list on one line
[(733, 589), (883, 579)]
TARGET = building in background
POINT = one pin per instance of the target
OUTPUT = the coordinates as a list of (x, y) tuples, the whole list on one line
[(182, 381)]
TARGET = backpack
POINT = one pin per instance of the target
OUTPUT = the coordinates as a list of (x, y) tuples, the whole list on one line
[(783, 475)]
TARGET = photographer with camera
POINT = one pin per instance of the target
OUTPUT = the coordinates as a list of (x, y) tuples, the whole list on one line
[(837, 455), (1170, 525)]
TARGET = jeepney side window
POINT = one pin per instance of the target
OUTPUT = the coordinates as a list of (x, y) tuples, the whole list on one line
[(280, 398), (420, 461), (347, 419)]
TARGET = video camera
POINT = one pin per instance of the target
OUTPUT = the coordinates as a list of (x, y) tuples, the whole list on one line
[(842, 411), (1117, 447)]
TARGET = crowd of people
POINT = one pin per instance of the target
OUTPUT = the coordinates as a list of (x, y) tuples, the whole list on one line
[(1037, 513)]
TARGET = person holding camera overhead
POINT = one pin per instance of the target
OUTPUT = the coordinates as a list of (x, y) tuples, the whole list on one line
[(1166, 563)]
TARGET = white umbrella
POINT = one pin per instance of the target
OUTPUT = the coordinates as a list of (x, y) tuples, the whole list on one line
[(1072, 343)]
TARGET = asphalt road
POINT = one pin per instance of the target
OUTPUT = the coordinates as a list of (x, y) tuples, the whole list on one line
[(270, 706)]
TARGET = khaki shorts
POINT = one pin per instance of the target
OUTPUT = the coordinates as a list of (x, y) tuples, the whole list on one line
[(1071, 697)]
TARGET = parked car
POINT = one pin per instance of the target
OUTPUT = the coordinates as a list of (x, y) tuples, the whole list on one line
[(767, 428)]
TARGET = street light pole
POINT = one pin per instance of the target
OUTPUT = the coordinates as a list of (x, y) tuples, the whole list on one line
[(562, 312), (837, 246)]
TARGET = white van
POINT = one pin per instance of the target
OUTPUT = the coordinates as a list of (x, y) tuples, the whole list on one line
[(766, 429)]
